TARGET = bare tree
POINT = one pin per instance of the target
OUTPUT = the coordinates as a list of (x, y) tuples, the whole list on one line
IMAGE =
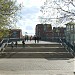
[(58, 11)]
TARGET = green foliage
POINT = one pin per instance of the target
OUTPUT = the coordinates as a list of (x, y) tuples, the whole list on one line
[(8, 14)]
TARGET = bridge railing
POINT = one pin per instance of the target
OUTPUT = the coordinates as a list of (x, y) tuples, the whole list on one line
[(69, 47), (3, 44)]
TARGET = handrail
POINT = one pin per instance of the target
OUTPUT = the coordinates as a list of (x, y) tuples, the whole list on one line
[(68, 46), (1, 42), (3, 45)]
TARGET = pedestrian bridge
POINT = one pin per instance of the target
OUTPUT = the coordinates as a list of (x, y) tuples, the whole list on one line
[(36, 50), (43, 58)]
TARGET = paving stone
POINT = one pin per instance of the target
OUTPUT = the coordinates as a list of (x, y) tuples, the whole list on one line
[(38, 66)]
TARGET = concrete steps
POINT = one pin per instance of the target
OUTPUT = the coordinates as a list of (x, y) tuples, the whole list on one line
[(37, 55), (37, 51), (39, 45)]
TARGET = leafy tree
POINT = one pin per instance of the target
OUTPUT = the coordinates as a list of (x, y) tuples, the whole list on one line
[(9, 10)]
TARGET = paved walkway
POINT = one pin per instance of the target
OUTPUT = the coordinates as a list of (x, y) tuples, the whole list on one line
[(36, 66)]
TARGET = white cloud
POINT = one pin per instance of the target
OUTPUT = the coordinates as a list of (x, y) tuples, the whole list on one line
[(37, 3), (29, 13), (29, 3)]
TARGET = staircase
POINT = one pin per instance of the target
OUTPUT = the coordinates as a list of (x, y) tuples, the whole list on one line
[(36, 51)]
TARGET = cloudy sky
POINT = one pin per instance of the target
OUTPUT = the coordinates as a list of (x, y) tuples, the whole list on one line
[(29, 13)]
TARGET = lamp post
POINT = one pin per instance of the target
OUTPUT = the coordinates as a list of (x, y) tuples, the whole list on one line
[(25, 35)]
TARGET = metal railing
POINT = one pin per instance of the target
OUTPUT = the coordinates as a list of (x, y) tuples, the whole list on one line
[(68, 46), (3, 44)]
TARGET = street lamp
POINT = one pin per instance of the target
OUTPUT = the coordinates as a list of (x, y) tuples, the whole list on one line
[(25, 33)]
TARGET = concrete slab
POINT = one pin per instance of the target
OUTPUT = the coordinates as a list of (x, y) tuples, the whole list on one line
[(38, 66)]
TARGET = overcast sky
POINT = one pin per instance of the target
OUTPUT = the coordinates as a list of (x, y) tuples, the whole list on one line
[(29, 13)]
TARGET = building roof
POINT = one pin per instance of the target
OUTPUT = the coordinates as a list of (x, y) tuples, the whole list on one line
[(17, 29), (70, 23)]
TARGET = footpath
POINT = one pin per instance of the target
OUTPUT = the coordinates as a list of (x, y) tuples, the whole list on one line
[(18, 64)]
